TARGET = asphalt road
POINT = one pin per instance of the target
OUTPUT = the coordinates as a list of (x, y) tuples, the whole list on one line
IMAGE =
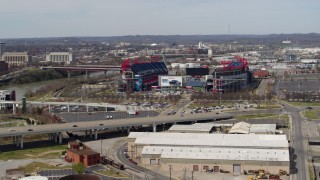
[(103, 124), (299, 153), (148, 173), (94, 116)]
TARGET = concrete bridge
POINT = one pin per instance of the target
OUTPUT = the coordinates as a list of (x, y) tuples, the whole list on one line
[(55, 131), (85, 68)]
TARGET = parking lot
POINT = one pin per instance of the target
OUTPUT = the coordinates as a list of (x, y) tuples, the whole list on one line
[(94, 116), (299, 85)]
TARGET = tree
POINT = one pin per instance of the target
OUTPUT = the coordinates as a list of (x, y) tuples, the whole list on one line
[(258, 99), (78, 168)]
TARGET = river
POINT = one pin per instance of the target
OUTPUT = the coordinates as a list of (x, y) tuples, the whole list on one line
[(22, 89)]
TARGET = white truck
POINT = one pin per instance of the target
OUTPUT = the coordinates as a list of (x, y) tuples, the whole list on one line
[(132, 112)]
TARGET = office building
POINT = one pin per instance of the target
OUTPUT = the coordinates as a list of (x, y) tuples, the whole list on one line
[(2, 48), (16, 59), (60, 57)]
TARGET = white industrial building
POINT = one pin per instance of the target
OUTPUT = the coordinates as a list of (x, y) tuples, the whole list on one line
[(199, 152), (16, 59), (247, 128), (60, 57), (199, 128), (234, 160), (194, 128)]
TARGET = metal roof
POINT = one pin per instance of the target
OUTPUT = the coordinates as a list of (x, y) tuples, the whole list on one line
[(240, 128), (246, 128), (203, 127), (218, 153), (212, 140), (263, 128)]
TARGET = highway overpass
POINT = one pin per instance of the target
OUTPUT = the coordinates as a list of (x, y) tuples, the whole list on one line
[(85, 68), (55, 130), (68, 104)]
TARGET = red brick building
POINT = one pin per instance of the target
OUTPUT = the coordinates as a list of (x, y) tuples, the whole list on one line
[(77, 152)]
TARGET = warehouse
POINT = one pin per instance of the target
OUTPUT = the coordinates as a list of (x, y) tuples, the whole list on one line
[(234, 160), (137, 140), (194, 128), (247, 128)]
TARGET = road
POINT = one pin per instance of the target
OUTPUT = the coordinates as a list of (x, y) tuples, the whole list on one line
[(299, 153), (95, 116), (103, 124), (148, 174)]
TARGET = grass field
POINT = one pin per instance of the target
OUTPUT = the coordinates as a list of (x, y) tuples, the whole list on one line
[(268, 106), (312, 114), (42, 152), (304, 104), (36, 166), (255, 116)]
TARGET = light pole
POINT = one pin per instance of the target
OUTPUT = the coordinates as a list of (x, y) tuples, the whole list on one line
[(101, 147), (170, 168)]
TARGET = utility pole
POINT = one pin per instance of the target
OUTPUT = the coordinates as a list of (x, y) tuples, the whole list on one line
[(101, 147), (191, 175), (170, 170)]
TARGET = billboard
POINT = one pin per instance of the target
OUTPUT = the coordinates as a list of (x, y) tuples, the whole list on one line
[(165, 81), (197, 71)]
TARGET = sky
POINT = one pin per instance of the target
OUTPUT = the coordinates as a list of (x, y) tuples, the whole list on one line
[(61, 18)]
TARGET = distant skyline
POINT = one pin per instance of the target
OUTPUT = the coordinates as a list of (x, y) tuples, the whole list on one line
[(65, 18)]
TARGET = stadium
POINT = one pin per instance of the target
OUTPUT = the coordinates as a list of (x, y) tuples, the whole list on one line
[(138, 75), (233, 76)]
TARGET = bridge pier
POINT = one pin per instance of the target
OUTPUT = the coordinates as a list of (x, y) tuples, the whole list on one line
[(154, 127), (14, 140), (30, 108), (87, 74), (17, 141), (87, 108), (21, 142), (128, 130), (96, 135), (69, 74), (105, 74), (49, 108), (60, 138), (68, 108), (14, 109), (90, 133), (55, 137)]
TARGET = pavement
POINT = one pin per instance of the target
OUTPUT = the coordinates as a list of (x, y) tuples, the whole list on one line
[(95, 116), (102, 124), (138, 171), (298, 145)]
